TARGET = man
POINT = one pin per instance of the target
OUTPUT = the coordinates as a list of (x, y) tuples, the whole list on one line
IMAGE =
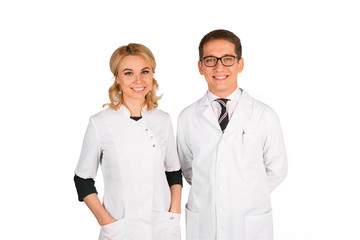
[(231, 150)]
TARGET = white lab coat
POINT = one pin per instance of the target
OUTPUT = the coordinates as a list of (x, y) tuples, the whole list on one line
[(134, 156), (232, 173)]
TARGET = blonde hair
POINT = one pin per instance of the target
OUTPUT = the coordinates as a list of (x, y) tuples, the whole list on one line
[(115, 94)]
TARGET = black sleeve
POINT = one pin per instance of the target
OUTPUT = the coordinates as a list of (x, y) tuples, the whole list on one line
[(84, 187), (174, 178)]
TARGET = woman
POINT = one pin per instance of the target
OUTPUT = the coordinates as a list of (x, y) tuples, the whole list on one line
[(134, 143)]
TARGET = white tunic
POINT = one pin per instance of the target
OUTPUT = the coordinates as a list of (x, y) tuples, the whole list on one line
[(134, 156), (231, 173)]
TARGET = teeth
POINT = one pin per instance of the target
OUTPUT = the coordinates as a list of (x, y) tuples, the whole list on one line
[(138, 89), (220, 77)]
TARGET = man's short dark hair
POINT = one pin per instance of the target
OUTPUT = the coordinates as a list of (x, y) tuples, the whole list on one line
[(221, 34)]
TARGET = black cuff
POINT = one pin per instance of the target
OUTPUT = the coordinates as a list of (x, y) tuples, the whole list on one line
[(174, 178), (84, 187)]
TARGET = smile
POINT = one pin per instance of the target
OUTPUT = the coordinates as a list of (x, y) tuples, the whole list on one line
[(221, 77), (138, 89)]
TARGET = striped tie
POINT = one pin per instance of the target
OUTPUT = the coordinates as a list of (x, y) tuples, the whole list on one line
[(224, 116)]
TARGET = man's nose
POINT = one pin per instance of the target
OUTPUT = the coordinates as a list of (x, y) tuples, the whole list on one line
[(219, 65)]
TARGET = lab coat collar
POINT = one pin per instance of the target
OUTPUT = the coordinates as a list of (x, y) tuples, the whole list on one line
[(241, 113), (234, 96), (124, 110)]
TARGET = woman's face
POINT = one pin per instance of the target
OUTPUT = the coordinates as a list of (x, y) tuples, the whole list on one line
[(135, 77)]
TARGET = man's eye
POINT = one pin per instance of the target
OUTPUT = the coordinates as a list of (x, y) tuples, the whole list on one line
[(210, 60)]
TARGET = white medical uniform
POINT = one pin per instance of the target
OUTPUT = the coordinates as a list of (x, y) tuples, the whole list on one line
[(232, 173), (134, 156)]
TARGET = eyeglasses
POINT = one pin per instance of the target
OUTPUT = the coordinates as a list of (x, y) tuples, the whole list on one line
[(227, 61)]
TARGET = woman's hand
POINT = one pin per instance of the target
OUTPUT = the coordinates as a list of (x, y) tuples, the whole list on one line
[(94, 204), (107, 221), (175, 210)]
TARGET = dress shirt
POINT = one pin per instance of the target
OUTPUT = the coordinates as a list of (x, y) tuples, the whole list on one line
[(233, 97)]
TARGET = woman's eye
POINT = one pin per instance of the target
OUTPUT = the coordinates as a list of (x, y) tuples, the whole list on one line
[(145, 72), (128, 73)]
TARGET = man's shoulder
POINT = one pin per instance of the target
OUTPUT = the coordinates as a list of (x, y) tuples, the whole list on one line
[(258, 106), (191, 109)]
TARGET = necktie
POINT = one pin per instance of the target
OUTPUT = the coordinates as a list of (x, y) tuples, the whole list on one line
[(224, 116)]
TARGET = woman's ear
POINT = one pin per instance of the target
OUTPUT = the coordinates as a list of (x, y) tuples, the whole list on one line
[(117, 79)]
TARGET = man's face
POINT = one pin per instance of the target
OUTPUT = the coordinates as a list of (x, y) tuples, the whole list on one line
[(221, 80)]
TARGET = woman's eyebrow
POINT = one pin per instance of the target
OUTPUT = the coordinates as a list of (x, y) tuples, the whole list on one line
[(127, 69)]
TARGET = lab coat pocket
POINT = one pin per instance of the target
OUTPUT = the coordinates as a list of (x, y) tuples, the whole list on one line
[(166, 226), (248, 138), (113, 231), (259, 227), (192, 225), (251, 146)]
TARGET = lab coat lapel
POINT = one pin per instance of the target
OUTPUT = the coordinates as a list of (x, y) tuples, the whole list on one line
[(206, 110), (241, 114)]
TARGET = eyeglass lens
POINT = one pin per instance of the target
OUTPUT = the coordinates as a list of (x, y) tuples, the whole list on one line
[(227, 61)]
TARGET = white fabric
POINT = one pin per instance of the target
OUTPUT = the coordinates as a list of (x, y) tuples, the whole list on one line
[(134, 156), (232, 173)]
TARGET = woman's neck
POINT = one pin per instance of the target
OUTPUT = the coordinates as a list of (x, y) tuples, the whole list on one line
[(134, 107)]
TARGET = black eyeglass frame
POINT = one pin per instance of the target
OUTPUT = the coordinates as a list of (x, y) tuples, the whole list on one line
[(220, 58)]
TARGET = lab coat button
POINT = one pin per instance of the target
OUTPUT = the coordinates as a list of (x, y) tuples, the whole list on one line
[(153, 145), (146, 129), (171, 218)]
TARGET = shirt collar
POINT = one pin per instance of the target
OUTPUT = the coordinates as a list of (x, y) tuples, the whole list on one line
[(126, 111), (234, 96)]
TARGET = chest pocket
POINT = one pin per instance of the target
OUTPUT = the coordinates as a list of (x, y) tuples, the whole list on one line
[(251, 144)]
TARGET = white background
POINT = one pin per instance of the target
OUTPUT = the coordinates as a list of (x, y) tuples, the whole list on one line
[(301, 58)]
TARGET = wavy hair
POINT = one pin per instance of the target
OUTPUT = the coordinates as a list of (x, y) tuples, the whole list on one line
[(115, 93)]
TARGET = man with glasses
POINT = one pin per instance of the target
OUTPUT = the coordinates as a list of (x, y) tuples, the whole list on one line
[(231, 150)]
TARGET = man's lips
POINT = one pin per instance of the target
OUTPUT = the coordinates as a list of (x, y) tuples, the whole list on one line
[(221, 77)]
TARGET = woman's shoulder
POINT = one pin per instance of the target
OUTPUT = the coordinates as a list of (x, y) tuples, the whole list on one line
[(103, 114), (159, 113)]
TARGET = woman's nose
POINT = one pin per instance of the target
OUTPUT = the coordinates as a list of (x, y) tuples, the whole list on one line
[(138, 78)]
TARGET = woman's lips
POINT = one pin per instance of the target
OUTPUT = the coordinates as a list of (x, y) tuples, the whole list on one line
[(138, 89)]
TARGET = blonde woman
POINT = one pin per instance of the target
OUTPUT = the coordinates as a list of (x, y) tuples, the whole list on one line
[(133, 141)]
